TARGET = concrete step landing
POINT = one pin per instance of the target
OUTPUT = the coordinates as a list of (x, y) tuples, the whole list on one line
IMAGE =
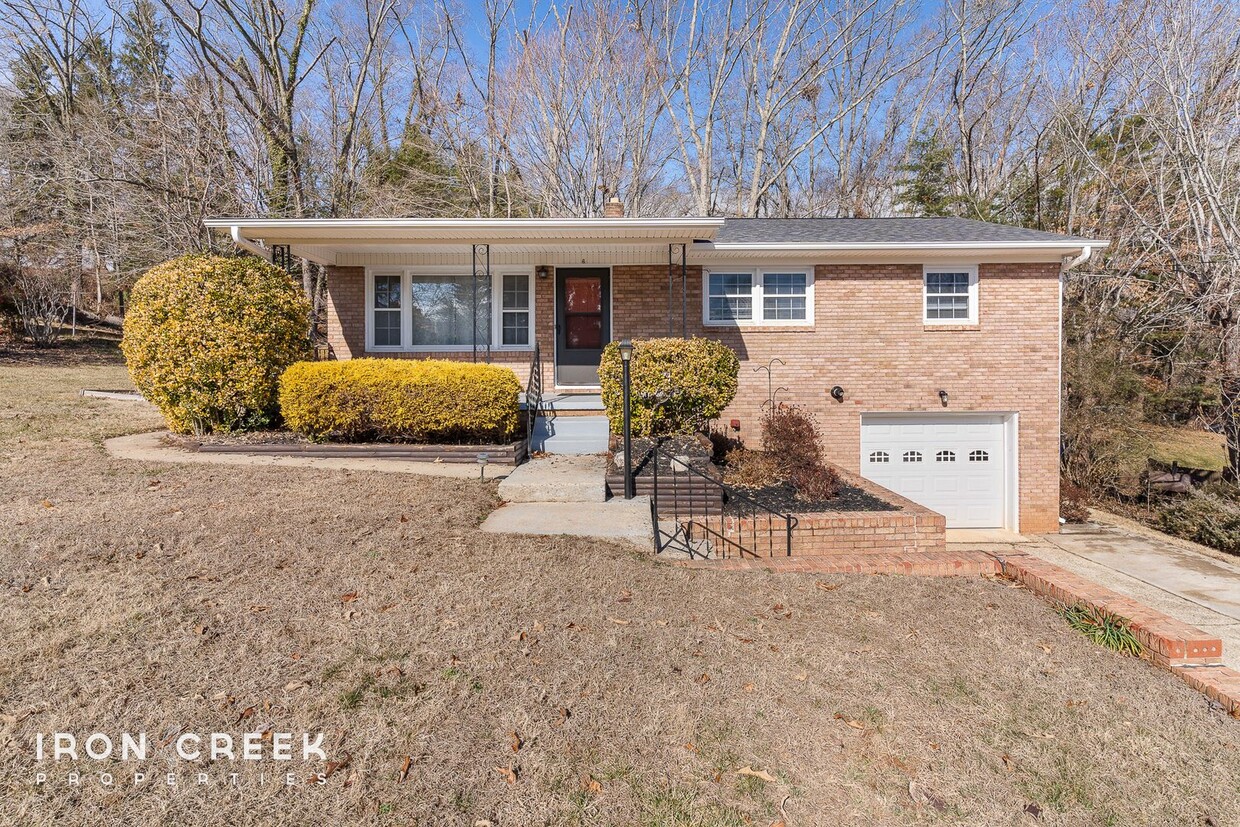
[(557, 479)]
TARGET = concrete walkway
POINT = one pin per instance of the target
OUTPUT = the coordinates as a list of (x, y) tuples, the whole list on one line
[(1190, 584), (557, 479), (149, 447)]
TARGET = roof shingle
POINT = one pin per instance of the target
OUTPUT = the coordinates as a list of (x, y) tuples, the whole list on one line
[(877, 231)]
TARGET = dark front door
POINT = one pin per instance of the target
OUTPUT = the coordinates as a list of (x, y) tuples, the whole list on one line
[(582, 323)]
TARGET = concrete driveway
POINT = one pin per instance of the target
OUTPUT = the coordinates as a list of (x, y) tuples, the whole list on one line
[(1194, 585)]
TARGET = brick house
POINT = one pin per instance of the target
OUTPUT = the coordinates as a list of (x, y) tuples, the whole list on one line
[(928, 348)]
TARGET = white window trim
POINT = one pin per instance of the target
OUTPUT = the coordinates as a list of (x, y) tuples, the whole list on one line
[(406, 308), (971, 269), (758, 296)]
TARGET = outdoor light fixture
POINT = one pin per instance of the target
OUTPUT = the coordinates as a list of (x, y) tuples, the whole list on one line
[(943, 398), (483, 459), (735, 424), (837, 393), (626, 356), (542, 271)]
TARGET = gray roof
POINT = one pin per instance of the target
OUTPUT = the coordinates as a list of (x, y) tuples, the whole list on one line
[(877, 231)]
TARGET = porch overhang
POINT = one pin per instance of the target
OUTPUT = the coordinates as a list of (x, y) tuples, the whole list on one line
[(362, 241)]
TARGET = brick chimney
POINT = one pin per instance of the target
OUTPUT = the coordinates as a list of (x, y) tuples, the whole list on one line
[(614, 208)]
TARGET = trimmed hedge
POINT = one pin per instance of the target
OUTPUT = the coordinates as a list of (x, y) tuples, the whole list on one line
[(207, 338), (678, 385), (397, 400)]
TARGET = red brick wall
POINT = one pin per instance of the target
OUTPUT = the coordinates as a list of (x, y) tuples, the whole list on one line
[(868, 337)]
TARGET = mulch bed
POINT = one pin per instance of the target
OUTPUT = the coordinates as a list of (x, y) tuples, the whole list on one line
[(781, 497)]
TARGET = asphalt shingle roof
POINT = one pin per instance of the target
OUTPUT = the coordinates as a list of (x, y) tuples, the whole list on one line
[(876, 231)]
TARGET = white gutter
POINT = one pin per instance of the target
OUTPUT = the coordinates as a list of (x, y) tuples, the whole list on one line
[(246, 244), (1086, 251), (871, 246)]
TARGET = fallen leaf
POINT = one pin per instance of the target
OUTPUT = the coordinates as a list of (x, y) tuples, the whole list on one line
[(626, 596), (48, 504), (335, 766), (752, 773), (801, 676), (926, 797), (296, 656), (564, 715), (293, 686), (689, 746), (517, 743), (259, 609), (200, 629), (702, 679), (619, 621), (839, 716), (1033, 809), (404, 769), (348, 598), (403, 518), (749, 687), (1045, 649), (827, 587), (248, 712), (591, 784), (509, 773)]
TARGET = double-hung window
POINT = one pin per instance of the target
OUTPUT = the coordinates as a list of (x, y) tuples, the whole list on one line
[(425, 309), (950, 294), (385, 309), (759, 296)]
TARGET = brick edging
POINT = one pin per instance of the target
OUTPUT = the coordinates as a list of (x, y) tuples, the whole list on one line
[(1170, 642)]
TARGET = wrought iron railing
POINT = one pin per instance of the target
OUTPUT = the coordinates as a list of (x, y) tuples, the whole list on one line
[(695, 513), (533, 399)]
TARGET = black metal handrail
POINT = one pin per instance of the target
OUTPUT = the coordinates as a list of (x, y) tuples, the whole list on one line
[(709, 517), (533, 399)]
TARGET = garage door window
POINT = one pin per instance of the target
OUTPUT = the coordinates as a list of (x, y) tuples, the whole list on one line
[(979, 456), (880, 456), (912, 456), (945, 456)]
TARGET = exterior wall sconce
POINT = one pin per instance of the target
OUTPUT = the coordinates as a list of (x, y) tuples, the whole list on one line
[(943, 398), (837, 393), (735, 424), (542, 271)]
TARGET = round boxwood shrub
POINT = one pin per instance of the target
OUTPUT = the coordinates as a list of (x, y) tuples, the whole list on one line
[(398, 400), (678, 385), (207, 338)]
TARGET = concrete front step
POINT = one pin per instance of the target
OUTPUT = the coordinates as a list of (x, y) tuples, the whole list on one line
[(622, 520), (556, 479), (571, 435)]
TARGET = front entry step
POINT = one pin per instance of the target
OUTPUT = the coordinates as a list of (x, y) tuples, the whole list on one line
[(570, 434), (557, 479)]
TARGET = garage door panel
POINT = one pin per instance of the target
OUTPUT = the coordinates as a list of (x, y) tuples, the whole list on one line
[(958, 463)]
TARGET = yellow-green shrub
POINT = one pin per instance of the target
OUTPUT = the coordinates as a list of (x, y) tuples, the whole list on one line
[(207, 338), (677, 384), (400, 400)]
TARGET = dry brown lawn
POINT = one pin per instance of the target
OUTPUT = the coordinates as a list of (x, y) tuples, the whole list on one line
[(163, 599)]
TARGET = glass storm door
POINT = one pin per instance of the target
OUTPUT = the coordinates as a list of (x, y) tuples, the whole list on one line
[(582, 323)]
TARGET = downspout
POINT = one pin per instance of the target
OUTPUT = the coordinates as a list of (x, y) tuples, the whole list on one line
[(245, 244), (1066, 264)]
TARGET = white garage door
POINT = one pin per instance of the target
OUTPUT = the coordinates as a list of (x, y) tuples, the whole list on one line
[(951, 463)]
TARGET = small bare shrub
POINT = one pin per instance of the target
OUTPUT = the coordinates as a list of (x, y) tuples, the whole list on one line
[(752, 469), (815, 483), (1073, 502), (792, 433)]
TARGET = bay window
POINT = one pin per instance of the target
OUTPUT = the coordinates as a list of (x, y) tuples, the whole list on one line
[(436, 309), (753, 296)]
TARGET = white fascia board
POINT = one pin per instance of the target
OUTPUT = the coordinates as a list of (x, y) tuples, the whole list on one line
[(916, 246)]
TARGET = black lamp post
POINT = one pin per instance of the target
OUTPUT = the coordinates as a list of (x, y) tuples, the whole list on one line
[(626, 356)]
